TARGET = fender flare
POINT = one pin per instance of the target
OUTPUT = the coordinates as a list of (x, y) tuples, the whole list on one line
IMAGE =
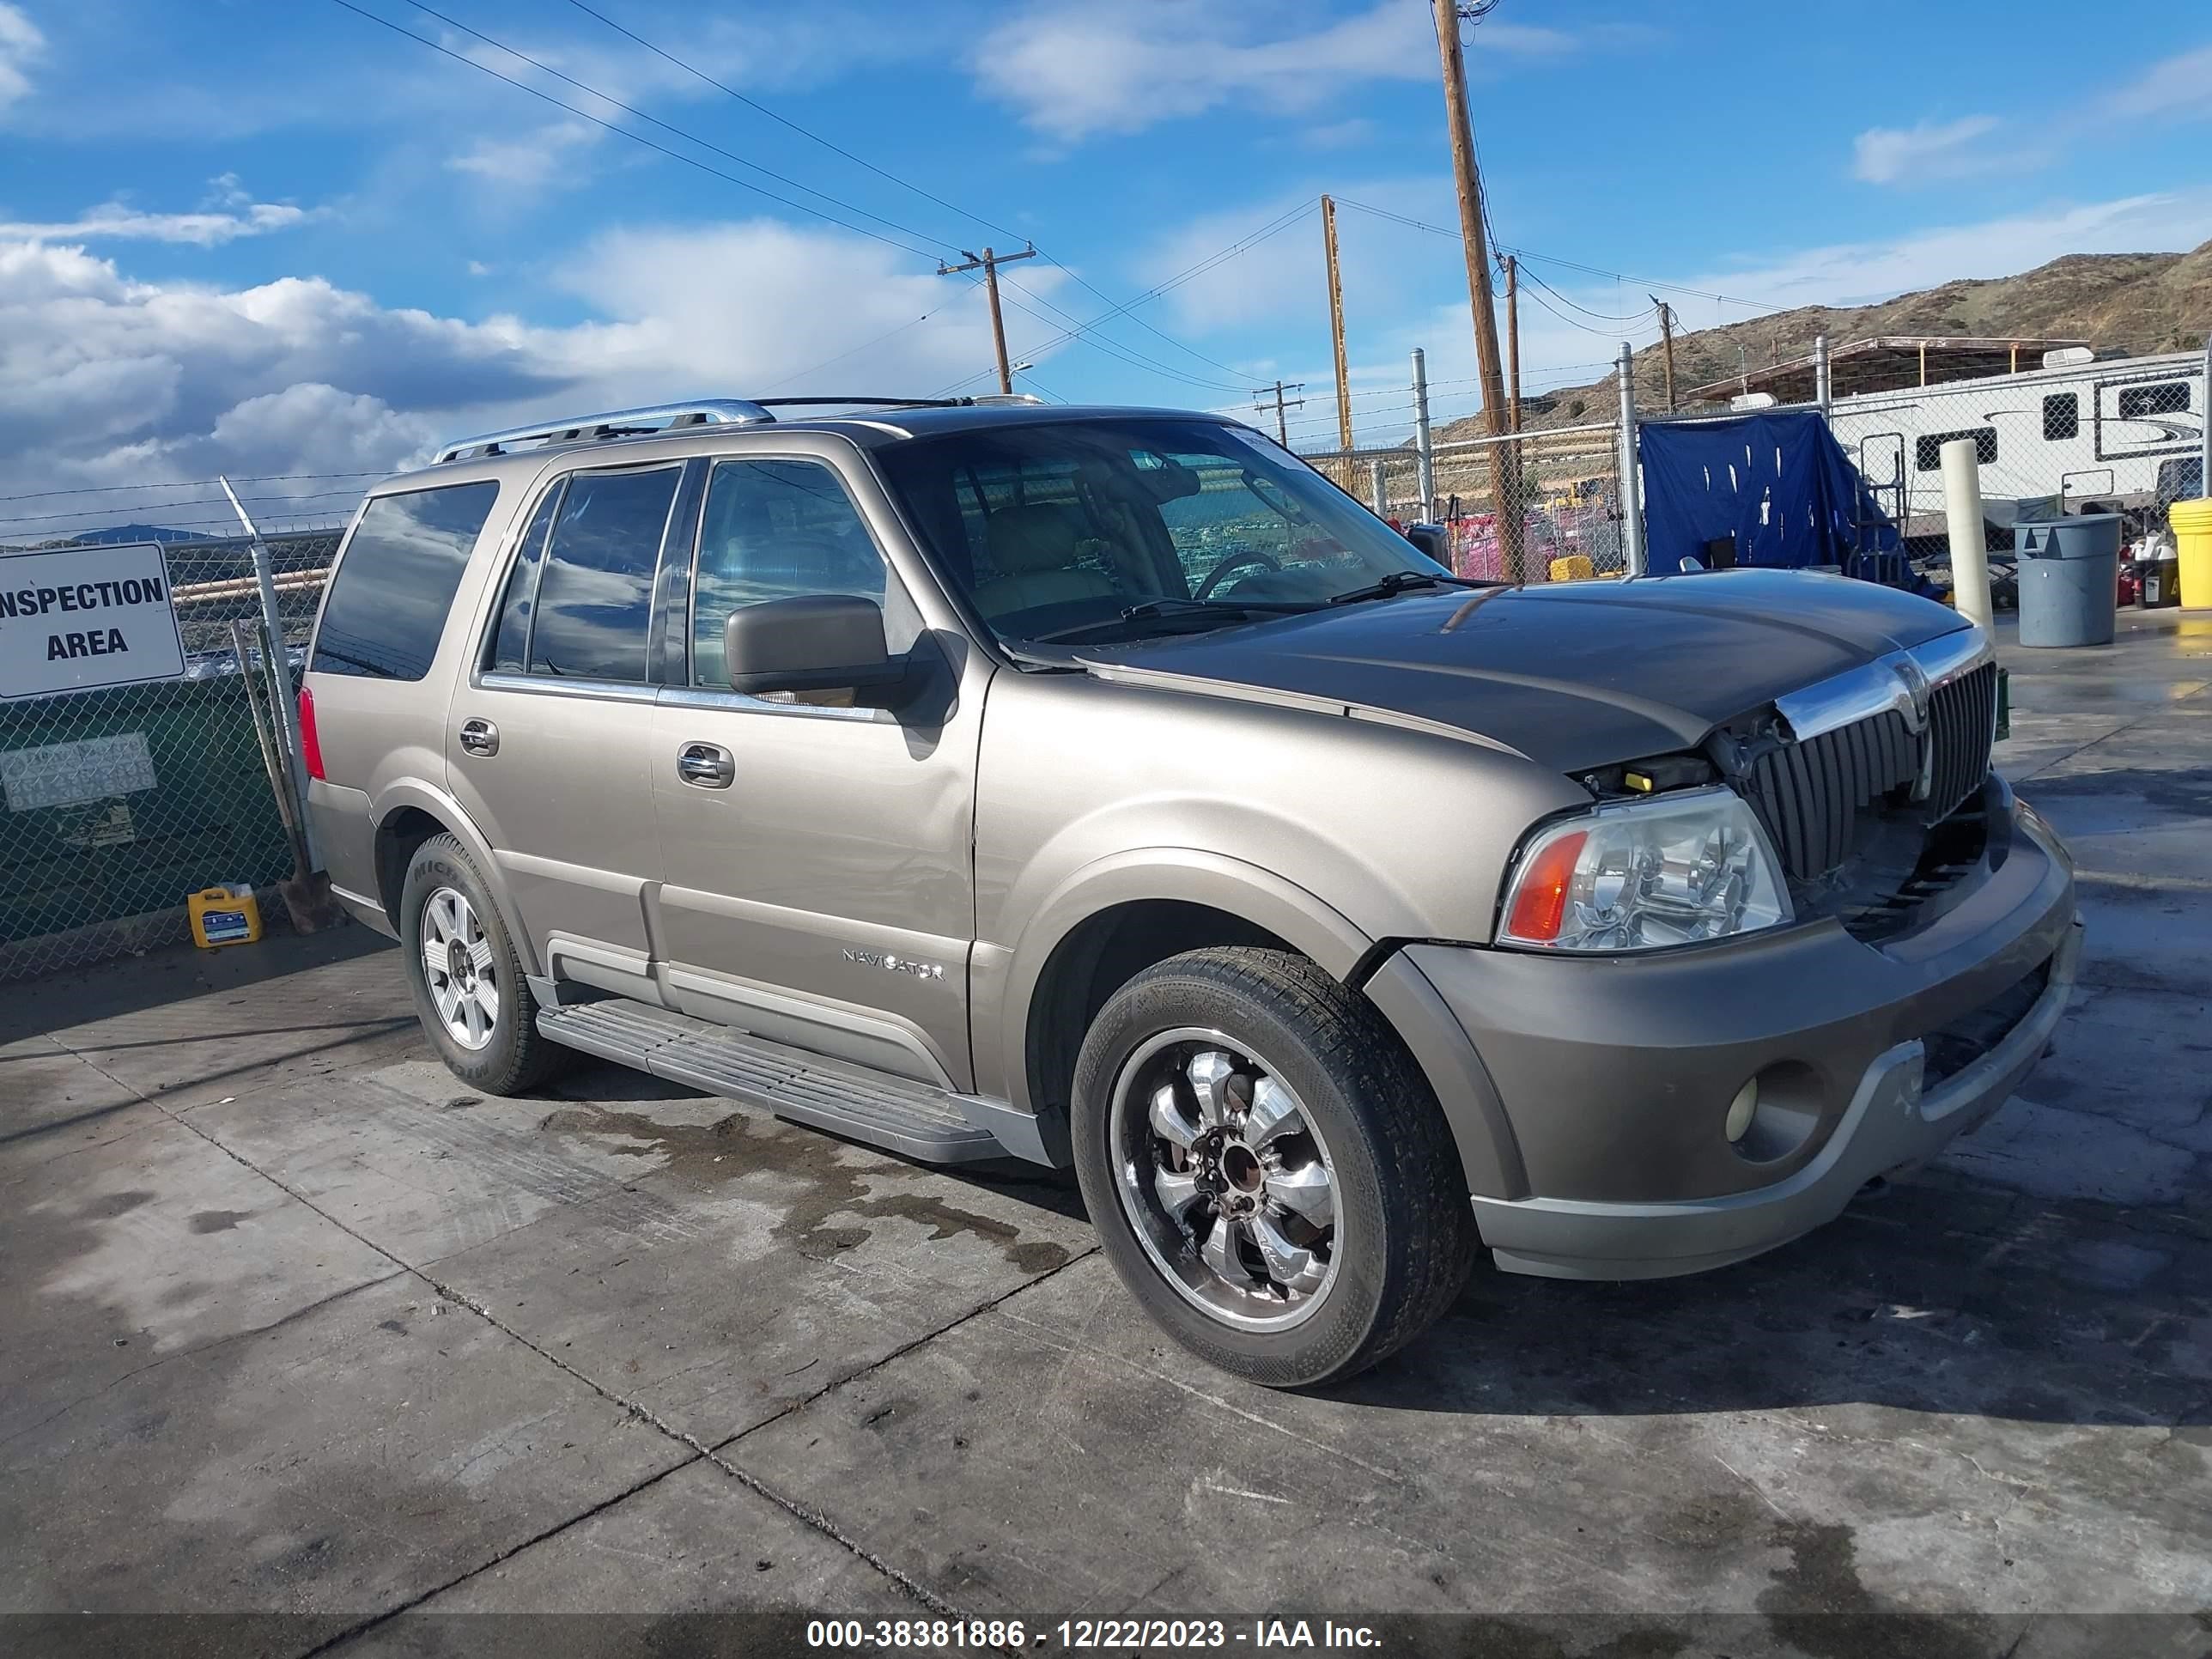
[(427, 798)]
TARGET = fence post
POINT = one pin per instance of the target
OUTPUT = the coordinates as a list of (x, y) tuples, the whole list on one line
[(288, 708), (2204, 476), (1632, 490), (1823, 374), (1962, 517), (1378, 487), (1425, 452)]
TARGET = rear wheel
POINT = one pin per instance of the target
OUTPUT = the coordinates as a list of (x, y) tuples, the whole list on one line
[(469, 993), (1267, 1168)]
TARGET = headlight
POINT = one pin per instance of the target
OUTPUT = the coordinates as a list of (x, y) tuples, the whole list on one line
[(1639, 875)]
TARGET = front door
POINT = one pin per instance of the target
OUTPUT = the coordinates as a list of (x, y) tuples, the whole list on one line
[(547, 739), (816, 856)]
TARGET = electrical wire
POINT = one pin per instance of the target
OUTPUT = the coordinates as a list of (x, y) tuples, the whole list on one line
[(883, 173), (635, 138), (191, 483)]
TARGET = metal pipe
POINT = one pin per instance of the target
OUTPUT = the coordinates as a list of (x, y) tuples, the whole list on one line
[(1962, 513), (1631, 492), (1378, 487), (1424, 452), (1823, 374), (2204, 477), (288, 708)]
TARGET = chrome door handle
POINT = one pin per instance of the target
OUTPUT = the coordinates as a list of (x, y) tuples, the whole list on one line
[(707, 765), (479, 737)]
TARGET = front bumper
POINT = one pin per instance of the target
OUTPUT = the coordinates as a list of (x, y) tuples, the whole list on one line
[(1614, 1074)]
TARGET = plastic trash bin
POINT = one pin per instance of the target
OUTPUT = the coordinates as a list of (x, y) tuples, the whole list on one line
[(2069, 579), (2192, 540)]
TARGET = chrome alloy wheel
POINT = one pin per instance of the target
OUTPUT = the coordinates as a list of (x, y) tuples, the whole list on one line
[(457, 965), (1225, 1180)]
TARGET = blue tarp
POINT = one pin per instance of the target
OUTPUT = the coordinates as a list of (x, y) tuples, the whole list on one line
[(1777, 482)]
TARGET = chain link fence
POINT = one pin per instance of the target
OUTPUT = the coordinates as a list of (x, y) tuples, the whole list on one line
[(1564, 483), (120, 802)]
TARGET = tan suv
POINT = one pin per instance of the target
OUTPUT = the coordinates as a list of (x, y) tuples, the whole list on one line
[(1107, 786)]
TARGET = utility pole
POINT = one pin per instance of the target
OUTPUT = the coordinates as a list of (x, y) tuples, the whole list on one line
[(1513, 333), (1336, 324), (1505, 491), (1425, 448), (1282, 428), (1666, 337), (988, 262)]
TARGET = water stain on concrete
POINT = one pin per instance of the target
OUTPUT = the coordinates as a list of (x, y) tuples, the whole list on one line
[(1819, 1604), (704, 1156), (113, 1204), (218, 1221)]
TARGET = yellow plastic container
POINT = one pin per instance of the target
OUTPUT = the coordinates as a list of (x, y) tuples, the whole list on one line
[(224, 916), (2192, 540), (1575, 567)]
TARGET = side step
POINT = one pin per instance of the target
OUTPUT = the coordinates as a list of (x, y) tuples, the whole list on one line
[(913, 1119)]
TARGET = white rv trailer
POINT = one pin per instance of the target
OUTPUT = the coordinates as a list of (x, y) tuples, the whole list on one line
[(2083, 431)]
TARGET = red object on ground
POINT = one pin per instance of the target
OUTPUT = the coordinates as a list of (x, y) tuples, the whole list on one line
[(311, 745)]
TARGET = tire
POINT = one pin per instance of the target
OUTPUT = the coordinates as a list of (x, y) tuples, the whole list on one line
[(507, 1056), (1401, 1238)]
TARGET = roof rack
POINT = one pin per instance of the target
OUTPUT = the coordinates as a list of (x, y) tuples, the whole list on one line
[(615, 423), (900, 403)]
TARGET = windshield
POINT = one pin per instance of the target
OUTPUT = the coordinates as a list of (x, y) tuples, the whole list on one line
[(1055, 531)]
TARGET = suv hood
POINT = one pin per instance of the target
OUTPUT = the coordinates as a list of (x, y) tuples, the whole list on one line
[(1571, 676)]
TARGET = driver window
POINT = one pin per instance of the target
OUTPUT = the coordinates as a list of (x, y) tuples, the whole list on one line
[(777, 529)]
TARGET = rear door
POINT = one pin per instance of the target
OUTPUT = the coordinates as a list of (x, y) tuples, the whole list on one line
[(818, 889), (548, 737)]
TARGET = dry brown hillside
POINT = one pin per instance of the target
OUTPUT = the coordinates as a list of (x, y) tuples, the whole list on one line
[(2131, 303)]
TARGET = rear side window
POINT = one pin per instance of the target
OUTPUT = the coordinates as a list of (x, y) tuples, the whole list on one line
[(387, 603), (511, 644), (595, 596), (2137, 402), (1927, 452)]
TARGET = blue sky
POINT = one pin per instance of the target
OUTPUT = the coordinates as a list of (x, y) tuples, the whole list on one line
[(282, 238)]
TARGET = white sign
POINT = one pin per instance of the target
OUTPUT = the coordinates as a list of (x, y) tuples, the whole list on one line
[(64, 773), (72, 618)]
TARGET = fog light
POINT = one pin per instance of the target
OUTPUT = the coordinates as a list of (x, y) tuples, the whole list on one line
[(1741, 1110)]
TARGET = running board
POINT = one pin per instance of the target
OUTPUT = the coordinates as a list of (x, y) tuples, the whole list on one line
[(903, 1116)]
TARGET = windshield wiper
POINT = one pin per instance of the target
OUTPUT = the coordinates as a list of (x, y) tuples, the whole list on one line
[(1400, 581), (1154, 609)]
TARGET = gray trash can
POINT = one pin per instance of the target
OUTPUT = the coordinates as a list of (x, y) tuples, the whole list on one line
[(2069, 579)]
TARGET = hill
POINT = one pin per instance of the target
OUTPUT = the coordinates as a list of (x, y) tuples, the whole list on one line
[(2125, 304)]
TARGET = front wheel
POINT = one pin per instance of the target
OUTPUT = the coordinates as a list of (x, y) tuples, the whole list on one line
[(1268, 1170)]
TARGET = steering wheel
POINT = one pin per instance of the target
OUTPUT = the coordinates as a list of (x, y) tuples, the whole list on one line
[(1235, 560)]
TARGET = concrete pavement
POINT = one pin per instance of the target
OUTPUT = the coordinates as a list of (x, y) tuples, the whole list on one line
[(293, 1323)]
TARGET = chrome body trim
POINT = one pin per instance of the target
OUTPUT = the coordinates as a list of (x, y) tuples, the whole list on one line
[(657, 418), (1902, 680)]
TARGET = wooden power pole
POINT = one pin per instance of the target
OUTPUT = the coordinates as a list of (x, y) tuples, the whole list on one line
[(1336, 324), (1282, 427), (988, 262), (1513, 334), (1667, 339), (1504, 473)]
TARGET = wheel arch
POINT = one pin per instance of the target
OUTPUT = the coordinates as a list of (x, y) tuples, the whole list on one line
[(410, 813)]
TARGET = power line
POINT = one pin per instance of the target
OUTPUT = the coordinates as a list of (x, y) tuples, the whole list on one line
[(635, 138), (883, 172), (191, 483), (1567, 264), (689, 137), (1602, 316)]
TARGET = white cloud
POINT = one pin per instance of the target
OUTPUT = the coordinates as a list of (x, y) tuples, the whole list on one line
[(531, 162), (1074, 69), (1916, 154), (2178, 86), (118, 221), (20, 46), (106, 380)]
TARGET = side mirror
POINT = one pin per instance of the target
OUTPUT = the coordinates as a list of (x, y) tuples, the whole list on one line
[(815, 642)]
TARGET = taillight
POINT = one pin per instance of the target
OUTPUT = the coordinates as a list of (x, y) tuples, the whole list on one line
[(311, 744)]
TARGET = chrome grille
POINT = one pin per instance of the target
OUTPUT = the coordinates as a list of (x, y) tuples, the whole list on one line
[(1962, 718), (1809, 794)]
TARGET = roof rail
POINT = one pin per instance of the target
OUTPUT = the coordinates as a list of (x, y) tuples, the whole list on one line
[(615, 423)]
